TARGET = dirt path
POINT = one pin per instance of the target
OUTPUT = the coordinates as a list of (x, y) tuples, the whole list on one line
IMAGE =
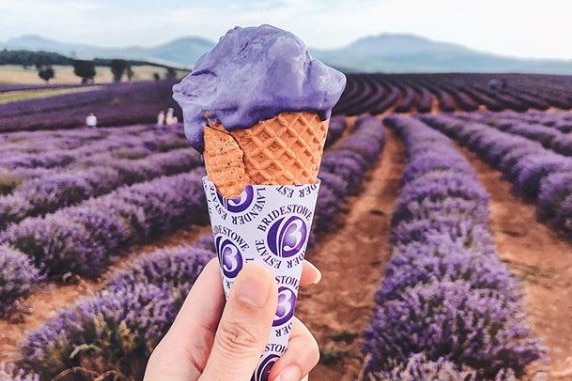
[(49, 298), (540, 259), (352, 260)]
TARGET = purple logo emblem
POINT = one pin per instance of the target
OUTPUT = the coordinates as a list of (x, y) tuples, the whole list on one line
[(286, 236), (285, 308), (229, 257), (264, 367), (239, 204)]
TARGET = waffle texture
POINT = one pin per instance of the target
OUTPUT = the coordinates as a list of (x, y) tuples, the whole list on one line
[(284, 150)]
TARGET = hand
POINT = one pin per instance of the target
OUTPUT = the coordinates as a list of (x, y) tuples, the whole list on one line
[(212, 341)]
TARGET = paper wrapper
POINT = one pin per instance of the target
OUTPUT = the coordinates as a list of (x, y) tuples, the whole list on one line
[(269, 224)]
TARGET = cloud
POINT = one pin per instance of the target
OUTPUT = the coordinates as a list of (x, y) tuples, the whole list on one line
[(317, 22), (512, 27), (32, 9)]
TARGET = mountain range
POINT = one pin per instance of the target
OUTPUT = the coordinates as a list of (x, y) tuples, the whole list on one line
[(385, 52)]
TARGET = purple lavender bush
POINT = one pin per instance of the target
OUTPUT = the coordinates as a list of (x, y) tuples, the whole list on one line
[(445, 298), (453, 321), (114, 105), (531, 171), (9, 372), (529, 166), (553, 191), (442, 227), (117, 329), (18, 276), (343, 169), (338, 125), (183, 264), (83, 238), (427, 209), (417, 264), (419, 368)]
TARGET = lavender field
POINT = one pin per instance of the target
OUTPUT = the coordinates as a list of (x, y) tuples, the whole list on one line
[(443, 230)]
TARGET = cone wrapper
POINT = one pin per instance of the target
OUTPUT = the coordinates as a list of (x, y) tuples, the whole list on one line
[(268, 224)]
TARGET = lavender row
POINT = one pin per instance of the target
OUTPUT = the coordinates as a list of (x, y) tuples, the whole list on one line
[(337, 127), (9, 372), (63, 139), (17, 276), (118, 145), (537, 174), (82, 239), (550, 138), (117, 329), (447, 303), (48, 350), (344, 167), (42, 105), (32, 141), (49, 193), (559, 120), (71, 188), (114, 105)]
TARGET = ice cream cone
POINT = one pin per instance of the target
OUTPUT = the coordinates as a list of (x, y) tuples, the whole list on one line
[(268, 224), (257, 108), (284, 150)]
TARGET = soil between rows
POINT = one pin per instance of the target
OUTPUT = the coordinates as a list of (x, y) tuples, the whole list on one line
[(352, 260), (540, 259)]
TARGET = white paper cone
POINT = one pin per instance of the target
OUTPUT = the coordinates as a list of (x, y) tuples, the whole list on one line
[(269, 224)]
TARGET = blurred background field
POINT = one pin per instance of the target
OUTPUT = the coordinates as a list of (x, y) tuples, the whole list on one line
[(17, 75)]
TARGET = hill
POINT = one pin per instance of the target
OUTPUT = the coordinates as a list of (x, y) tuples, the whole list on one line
[(385, 52), (180, 52)]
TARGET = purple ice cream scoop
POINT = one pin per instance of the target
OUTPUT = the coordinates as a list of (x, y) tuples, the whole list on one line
[(254, 74)]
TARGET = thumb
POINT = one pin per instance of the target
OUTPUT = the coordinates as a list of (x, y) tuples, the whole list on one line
[(244, 327)]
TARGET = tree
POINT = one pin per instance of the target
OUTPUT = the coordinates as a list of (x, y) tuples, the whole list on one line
[(85, 70), (46, 73), (117, 69), (171, 73), (28, 58), (129, 72)]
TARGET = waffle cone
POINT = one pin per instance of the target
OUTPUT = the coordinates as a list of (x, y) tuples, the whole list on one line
[(286, 149)]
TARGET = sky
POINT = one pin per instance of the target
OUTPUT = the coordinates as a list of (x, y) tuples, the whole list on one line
[(524, 28)]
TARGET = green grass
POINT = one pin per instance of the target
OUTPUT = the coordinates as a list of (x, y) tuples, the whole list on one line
[(15, 96), (14, 74)]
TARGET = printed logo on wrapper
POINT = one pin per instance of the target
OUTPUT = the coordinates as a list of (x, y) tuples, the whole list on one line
[(241, 210), (287, 236), (285, 307), (239, 204), (229, 257), (267, 224), (264, 367)]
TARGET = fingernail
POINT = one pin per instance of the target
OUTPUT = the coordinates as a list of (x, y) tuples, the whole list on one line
[(290, 373), (252, 290), (318, 273)]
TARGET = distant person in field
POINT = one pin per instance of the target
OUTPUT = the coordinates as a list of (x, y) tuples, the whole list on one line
[(91, 121), (161, 118), (504, 85), (493, 84), (170, 119)]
